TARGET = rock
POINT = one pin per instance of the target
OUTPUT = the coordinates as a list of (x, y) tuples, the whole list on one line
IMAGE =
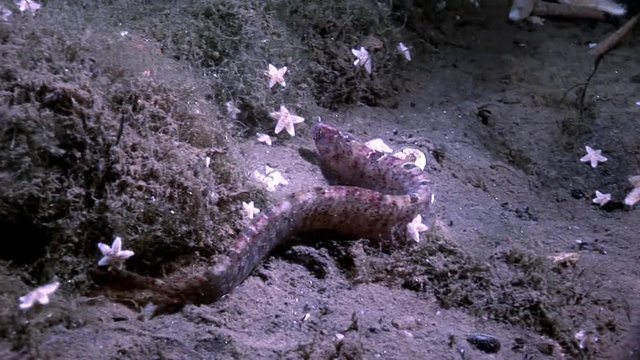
[(485, 343), (405, 322)]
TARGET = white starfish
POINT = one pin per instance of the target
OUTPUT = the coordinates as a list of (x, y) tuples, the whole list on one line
[(271, 179), (232, 109), (248, 210), (634, 195), (362, 58), (114, 255), (405, 51), (39, 295), (601, 198), (415, 227), (593, 156), (264, 138), (276, 175), (276, 76), (28, 5), (286, 120), (267, 181)]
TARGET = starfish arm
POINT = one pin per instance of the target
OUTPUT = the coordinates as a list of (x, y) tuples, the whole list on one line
[(296, 119), (279, 126), (635, 180), (104, 248), (277, 178), (367, 66), (415, 227), (125, 254), (269, 183), (601, 198), (290, 129), (633, 197), (50, 288), (598, 197), (104, 261), (412, 233), (43, 299), (26, 301), (265, 139), (117, 245)]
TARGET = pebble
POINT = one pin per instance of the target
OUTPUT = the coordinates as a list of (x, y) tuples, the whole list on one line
[(485, 343), (405, 322)]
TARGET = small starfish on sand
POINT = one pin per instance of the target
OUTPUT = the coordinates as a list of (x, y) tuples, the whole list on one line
[(276, 175), (405, 51), (601, 198), (232, 109), (271, 179), (634, 195), (28, 5), (362, 58), (286, 120), (276, 76), (114, 255), (264, 138), (415, 227), (38, 295), (593, 156), (248, 210)]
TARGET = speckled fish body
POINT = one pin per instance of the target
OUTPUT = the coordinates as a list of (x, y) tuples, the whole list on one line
[(379, 194)]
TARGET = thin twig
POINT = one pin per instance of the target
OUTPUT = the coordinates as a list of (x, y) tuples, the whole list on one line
[(599, 51), (614, 39), (586, 85)]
